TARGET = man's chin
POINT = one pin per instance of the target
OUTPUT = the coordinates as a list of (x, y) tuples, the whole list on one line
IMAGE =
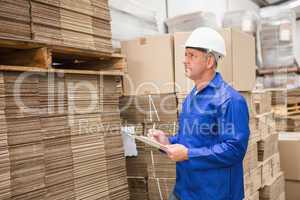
[(188, 75)]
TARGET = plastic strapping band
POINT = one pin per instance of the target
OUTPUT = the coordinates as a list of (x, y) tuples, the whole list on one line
[(151, 103), (174, 128), (154, 174)]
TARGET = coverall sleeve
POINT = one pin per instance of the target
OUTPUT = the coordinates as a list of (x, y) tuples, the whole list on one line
[(173, 139), (234, 133)]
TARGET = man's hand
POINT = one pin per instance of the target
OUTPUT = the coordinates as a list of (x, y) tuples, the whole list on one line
[(159, 136), (177, 152)]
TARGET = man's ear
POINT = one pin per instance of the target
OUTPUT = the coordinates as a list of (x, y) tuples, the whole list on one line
[(210, 61)]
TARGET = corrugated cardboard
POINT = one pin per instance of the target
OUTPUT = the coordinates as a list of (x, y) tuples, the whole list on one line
[(267, 147), (253, 197), (289, 147), (292, 190), (274, 189), (252, 181), (150, 65), (237, 68)]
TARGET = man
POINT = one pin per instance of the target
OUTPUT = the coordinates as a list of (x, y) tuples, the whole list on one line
[(213, 134)]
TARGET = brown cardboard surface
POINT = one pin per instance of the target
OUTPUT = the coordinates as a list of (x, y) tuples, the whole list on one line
[(292, 190), (243, 60), (150, 65), (289, 148)]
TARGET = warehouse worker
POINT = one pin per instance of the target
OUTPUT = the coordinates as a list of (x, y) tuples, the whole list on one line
[(213, 134)]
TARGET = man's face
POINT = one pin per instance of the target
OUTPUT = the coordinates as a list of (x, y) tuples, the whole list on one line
[(195, 63)]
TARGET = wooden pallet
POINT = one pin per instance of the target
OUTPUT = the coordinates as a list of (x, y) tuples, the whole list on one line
[(14, 53), (293, 109), (287, 110), (270, 71)]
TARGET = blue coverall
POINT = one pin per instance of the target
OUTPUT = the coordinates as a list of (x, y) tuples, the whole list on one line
[(214, 126)]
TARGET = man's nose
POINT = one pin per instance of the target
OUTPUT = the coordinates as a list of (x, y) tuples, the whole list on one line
[(185, 61)]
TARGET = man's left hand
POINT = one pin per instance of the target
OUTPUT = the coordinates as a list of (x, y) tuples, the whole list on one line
[(177, 152)]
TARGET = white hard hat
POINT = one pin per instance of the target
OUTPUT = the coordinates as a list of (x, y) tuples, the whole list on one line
[(207, 38)]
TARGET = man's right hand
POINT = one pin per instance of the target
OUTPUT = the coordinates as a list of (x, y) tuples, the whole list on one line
[(159, 136)]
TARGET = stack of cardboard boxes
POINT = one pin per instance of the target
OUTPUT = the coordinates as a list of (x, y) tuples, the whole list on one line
[(262, 119), (289, 146)]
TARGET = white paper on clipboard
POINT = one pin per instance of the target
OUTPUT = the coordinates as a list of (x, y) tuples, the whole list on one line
[(149, 142), (129, 144)]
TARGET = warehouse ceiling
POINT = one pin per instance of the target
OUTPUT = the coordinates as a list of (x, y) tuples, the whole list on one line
[(293, 4), (264, 3)]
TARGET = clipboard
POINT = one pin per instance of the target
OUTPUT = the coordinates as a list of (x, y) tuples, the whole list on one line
[(149, 142)]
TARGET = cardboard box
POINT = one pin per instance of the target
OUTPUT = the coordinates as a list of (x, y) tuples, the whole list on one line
[(267, 147), (251, 158), (160, 188), (252, 181), (274, 189), (292, 190), (289, 148), (150, 65), (253, 197), (138, 188), (270, 169), (237, 68)]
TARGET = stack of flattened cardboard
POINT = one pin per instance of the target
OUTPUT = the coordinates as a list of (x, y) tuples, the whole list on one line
[(15, 19), (160, 188), (25, 137), (116, 164), (83, 24), (94, 120), (5, 192), (161, 170), (110, 92), (159, 165), (138, 188), (136, 166), (58, 155), (46, 19), (54, 143)]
